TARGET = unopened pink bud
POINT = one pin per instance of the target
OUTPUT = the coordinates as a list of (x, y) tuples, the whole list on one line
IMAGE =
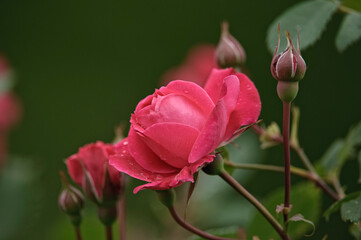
[(229, 52), (289, 65)]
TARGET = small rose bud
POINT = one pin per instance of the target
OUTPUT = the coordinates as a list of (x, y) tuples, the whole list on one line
[(215, 167), (71, 201), (289, 65), (229, 52)]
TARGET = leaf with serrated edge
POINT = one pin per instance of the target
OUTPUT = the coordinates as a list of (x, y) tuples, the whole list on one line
[(351, 210), (309, 18), (336, 206), (349, 32)]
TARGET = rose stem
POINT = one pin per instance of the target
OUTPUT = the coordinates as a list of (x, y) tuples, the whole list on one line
[(77, 233), (287, 159), (122, 216), (193, 229), (108, 232), (302, 155), (239, 188)]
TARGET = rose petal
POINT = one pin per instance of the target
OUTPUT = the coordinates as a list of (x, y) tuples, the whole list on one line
[(193, 92), (248, 106), (75, 169), (211, 135), (172, 142), (124, 162), (215, 81), (144, 156)]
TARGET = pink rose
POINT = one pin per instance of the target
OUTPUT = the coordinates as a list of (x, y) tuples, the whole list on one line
[(89, 168), (196, 68), (10, 111), (175, 131)]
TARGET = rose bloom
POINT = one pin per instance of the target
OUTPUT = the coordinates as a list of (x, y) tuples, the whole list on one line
[(175, 131), (195, 68), (89, 167)]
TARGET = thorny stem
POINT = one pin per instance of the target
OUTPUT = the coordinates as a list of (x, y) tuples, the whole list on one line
[(193, 229), (108, 232), (305, 160), (287, 159), (239, 188), (77, 233)]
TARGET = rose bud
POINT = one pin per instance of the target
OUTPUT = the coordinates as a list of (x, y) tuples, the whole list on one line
[(289, 65), (175, 131), (71, 201), (229, 52), (288, 68), (89, 168)]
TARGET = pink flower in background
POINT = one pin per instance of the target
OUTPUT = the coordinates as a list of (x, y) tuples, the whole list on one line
[(175, 131), (196, 67), (10, 111), (10, 108), (89, 168)]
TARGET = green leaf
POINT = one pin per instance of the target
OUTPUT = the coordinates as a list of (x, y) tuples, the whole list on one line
[(305, 199), (354, 136), (349, 32), (351, 210), (228, 232), (359, 163), (309, 18), (337, 205), (331, 158)]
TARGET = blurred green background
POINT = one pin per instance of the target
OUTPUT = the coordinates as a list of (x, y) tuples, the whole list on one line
[(82, 66)]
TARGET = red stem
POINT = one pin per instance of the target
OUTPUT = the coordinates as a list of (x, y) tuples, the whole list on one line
[(77, 233), (122, 217), (287, 158), (193, 229), (108, 232)]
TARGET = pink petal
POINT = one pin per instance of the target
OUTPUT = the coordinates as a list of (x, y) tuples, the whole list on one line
[(248, 106), (211, 135), (75, 169), (215, 81), (94, 158), (172, 142), (144, 156), (193, 92), (124, 162)]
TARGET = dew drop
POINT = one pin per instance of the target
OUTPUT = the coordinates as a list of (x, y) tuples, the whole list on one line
[(125, 143)]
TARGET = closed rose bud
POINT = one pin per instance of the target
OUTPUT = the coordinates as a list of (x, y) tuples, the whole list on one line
[(71, 201), (89, 168), (289, 65), (229, 52)]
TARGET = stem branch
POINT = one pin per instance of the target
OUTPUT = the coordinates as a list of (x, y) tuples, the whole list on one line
[(193, 229), (239, 188)]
